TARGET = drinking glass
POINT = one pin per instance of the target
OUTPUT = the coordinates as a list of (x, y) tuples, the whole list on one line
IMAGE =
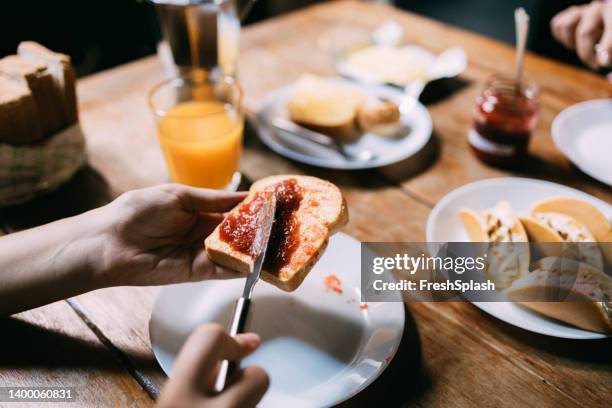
[(199, 125)]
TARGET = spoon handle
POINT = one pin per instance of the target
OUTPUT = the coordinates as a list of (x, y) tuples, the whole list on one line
[(521, 21)]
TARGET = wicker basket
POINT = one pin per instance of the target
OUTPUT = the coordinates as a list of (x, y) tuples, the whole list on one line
[(28, 171)]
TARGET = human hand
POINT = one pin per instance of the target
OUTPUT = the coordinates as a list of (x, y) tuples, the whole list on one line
[(155, 235), (194, 373), (588, 30)]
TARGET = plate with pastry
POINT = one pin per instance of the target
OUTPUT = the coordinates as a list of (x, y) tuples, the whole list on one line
[(548, 221), (320, 344), (335, 123)]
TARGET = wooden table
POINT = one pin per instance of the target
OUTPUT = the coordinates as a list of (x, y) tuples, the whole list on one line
[(452, 354)]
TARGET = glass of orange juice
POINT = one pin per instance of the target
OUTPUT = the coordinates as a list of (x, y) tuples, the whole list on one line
[(199, 124)]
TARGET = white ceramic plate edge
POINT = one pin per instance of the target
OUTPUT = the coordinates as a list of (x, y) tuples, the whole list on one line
[(557, 137)]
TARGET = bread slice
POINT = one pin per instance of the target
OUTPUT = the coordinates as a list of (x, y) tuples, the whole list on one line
[(40, 82), (19, 118), (325, 105), (320, 212), (63, 74)]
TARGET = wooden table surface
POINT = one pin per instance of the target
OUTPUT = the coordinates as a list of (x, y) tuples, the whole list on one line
[(452, 354)]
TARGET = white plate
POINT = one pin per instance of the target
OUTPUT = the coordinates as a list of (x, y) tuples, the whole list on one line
[(583, 132), (387, 150), (319, 347), (422, 59), (443, 225)]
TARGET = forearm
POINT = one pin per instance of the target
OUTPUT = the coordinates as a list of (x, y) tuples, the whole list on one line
[(49, 263)]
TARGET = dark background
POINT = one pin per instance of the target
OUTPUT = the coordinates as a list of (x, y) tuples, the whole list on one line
[(100, 35)]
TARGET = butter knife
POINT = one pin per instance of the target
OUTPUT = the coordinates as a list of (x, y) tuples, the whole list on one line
[(329, 142), (241, 309)]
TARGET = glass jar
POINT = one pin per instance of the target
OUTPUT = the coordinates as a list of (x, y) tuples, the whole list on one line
[(504, 120)]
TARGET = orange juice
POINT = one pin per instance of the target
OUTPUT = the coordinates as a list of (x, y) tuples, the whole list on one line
[(201, 141)]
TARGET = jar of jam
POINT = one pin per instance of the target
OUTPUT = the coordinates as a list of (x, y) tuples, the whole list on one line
[(504, 120)]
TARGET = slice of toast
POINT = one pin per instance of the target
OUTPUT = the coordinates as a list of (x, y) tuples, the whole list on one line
[(41, 84), (19, 117), (298, 237), (325, 105), (63, 74)]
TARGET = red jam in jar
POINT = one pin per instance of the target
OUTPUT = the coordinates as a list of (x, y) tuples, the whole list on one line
[(504, 120), (239, 229)]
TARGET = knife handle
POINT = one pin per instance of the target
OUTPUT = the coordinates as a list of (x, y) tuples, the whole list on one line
[(237, 326)]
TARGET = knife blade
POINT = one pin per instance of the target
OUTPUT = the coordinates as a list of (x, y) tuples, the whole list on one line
[(320, 139), (241, 309), (260, 243)]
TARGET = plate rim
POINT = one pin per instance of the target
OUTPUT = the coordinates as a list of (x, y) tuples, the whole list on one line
[(343, 68), (385, 363), (443, 202), (557, 137), (262, 129)]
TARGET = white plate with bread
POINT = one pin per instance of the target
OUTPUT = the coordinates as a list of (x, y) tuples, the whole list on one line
[(535, 211), (356, 118), (320, 344)]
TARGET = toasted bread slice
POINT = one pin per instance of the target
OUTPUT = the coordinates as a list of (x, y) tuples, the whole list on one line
[(298, 238), (41, 84), (63, 74), (325, 105), (19, 117)]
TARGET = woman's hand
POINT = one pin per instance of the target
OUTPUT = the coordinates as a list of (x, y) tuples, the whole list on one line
[(156, 235), (588, 30), (195, 371), (151, 236)]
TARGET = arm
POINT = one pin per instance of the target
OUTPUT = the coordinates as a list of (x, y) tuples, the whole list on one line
[(151, 236), (48, 263)]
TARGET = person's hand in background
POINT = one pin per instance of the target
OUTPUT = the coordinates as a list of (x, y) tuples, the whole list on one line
[(195, 371), (587, 29), (152, 236)]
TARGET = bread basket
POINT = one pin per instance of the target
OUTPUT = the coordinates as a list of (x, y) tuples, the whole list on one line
[(41, 143), (29, 170)]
